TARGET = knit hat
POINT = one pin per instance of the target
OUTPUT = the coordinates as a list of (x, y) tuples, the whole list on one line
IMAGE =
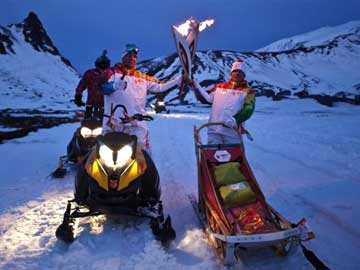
[(130, 48), (103, 61), (238, 65)]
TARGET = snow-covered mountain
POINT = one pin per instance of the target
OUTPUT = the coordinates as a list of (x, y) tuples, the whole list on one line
[(321, 64), (33, 73)]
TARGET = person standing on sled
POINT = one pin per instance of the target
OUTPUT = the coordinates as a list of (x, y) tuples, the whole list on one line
[(233, 102), (91, 81), (129, 87)]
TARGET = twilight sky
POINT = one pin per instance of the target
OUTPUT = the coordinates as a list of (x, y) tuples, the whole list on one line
[(82, 28)]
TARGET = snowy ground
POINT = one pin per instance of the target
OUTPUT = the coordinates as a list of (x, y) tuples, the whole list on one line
[(305, 156)]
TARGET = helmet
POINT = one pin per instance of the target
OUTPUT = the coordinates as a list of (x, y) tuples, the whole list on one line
[(103, 61), (130, 48)]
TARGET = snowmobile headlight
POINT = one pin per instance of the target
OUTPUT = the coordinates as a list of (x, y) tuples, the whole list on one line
[(106, 155), (161, 103), (124, 155), (97, 131), (86, 132), (115, 159)]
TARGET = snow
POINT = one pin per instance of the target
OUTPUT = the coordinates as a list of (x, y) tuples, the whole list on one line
[(32, 79), (321, 36), (305, 157)]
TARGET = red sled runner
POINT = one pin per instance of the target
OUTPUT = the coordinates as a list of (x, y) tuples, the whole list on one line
[(232, 208)]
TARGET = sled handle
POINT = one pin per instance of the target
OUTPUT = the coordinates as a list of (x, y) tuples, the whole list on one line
[(197, 130), (240, 131)]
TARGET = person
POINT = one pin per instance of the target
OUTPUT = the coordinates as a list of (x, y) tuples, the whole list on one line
[(129, 87), (233, 102), (91, 80)]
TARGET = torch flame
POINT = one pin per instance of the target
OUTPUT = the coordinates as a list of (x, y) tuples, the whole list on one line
[(205, 24), (191, 23)]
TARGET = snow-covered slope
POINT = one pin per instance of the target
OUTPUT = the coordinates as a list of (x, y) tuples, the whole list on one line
[(309, 170), (33, 73), (322, 64), (321, 37)]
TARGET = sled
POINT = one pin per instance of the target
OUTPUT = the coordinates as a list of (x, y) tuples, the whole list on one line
[(232, 208)]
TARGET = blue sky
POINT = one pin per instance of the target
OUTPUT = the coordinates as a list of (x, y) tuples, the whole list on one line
[(82, 28)]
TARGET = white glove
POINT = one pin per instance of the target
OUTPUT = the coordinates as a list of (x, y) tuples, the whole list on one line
[(231, 122), (120, 85)]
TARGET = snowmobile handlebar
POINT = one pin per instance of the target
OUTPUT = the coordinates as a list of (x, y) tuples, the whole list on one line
[(137, 116), (142, 117), (127, 118), (113, 110)]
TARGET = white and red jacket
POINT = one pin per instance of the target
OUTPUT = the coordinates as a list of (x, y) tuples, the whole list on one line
[(229, 105), (131, 88)]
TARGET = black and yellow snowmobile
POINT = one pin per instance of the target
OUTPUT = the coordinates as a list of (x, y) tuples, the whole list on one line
[(117, 178), (83, 140)]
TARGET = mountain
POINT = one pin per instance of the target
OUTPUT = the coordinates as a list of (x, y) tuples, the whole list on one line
[(33, 73), (321, 64)]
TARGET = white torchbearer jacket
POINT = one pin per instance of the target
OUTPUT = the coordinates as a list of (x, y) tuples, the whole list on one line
[(230, 105), (131, 88)]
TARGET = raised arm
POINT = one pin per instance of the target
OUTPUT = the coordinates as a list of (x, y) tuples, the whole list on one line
[(208, 95), (155, 86)]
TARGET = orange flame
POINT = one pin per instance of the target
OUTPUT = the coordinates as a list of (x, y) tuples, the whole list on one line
[(205, 24), (191, 23)]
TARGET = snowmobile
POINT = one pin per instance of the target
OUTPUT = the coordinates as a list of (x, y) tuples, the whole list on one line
[(159, 107), (232, 208), (117, 178), (83, 140)]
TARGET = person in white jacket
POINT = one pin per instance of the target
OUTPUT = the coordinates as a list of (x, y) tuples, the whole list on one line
[(129, 87), (233, 102)]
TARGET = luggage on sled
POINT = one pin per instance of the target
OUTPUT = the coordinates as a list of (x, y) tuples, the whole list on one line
[(232, 208)]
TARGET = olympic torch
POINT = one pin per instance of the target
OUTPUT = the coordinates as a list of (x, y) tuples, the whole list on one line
[(186, 37)]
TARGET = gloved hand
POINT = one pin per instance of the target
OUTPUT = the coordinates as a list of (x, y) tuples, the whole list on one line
[(189, 82), (78, 100), (231, 123)]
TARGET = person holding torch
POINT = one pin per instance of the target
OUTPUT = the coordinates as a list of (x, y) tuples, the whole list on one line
[(233, 102), (129, 87)]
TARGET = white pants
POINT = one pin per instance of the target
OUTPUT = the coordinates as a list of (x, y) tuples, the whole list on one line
[(218, 138), (142, 134)]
